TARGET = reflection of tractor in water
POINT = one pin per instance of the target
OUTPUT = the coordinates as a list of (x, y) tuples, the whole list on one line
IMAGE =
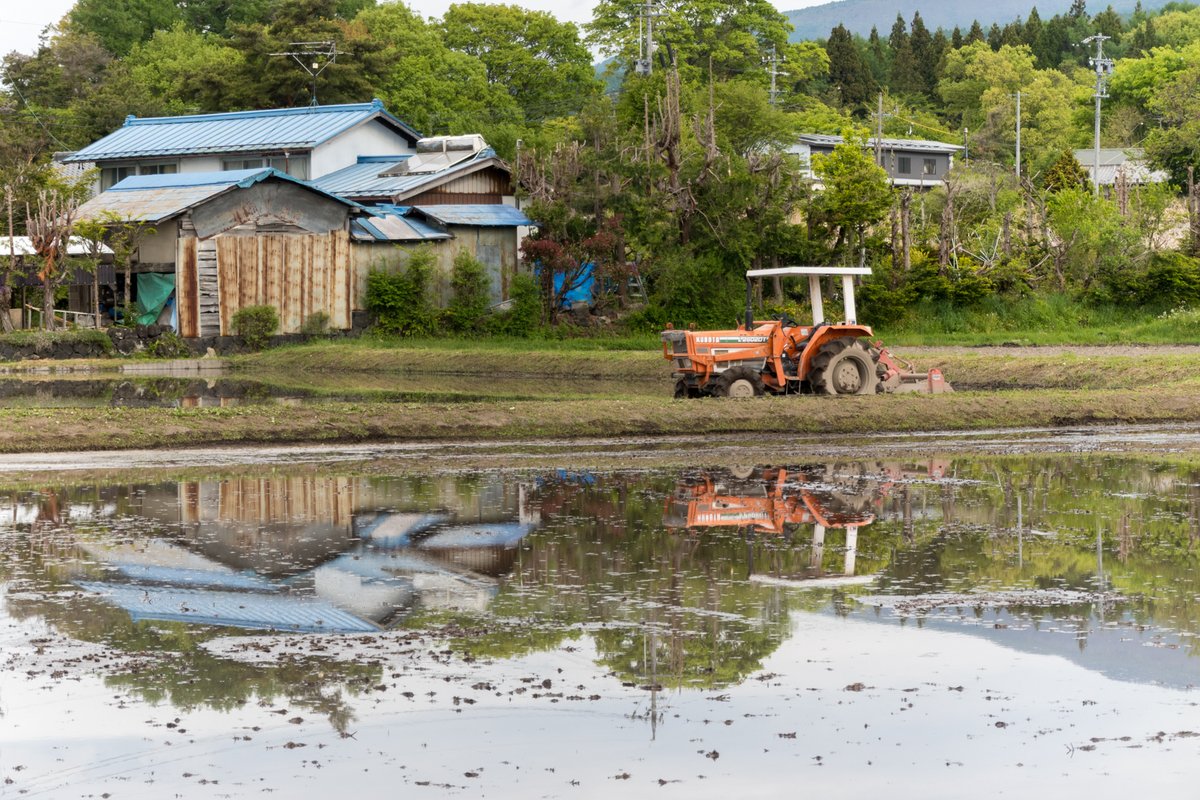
[(772, 500), (780, 500)]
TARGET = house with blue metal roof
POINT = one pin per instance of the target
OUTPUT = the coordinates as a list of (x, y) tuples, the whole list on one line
[(306, 143)]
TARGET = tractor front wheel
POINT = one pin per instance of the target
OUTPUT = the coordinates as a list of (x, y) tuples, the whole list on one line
[(738, 382), (843, 366)]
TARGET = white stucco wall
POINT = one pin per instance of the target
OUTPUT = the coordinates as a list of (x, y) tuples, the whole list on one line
[(160, 248), (200, 164), (369, 139)]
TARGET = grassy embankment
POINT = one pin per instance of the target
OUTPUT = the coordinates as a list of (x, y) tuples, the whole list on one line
[(621, 387), (1059, 390)]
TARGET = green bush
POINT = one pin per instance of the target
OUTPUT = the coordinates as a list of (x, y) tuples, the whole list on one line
[(706, 290), (1172, 279), (316, 324), (256, 324), (524, 315), (169, 344), (399, 300), (471, 294)]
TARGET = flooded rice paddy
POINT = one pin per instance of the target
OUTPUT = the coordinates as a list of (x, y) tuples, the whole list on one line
[(92, 390), (974, 624)]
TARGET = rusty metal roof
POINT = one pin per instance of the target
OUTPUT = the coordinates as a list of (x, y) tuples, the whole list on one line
[(154, 198), (282, 129)]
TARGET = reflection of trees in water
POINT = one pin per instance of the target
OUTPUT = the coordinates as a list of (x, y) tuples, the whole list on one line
[(674, 607)]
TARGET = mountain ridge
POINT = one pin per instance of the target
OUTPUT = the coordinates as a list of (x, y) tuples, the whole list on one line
[(859, 16)]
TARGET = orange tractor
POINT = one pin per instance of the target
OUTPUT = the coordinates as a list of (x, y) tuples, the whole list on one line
[(783, 356)]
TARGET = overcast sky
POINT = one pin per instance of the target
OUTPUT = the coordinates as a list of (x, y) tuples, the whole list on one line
[(22, 22)]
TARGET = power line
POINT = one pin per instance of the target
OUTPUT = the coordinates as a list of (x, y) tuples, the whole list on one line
[(49, 133)]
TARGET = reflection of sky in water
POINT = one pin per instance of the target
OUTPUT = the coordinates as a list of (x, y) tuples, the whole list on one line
[(607, 585)]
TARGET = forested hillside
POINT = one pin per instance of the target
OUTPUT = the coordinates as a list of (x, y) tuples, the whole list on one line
[(859, 16), (686, 172)]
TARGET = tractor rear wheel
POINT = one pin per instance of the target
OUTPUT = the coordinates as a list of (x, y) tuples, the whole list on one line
[(738, 382), (843, 366)]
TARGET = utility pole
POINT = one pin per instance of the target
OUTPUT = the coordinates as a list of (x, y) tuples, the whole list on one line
[(313, 58), (1018, 135), (646, 47), (879, 132), (774, 72), (1103, 67)]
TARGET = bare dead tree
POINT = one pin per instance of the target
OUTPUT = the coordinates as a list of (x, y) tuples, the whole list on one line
[(49, 227)]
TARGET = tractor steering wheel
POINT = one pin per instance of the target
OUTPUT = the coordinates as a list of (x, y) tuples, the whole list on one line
[(786, 320)]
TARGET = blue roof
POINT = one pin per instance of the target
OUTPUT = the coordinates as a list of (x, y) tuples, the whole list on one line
[(368, 178), (390, 223), (153, 198), (483, 215), (236, 132), (245, 177), (280, 612)]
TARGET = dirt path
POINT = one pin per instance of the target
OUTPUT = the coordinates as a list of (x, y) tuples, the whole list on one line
[(1031, 351)]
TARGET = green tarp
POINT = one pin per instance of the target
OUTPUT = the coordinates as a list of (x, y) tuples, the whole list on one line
[(153, 291)]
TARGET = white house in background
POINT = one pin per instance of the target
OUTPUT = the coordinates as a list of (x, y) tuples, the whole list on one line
[(305, 143), (918, 163), (1130, 162)]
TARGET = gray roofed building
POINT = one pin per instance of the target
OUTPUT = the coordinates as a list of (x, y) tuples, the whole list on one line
[(1114, 161), (919, 163)]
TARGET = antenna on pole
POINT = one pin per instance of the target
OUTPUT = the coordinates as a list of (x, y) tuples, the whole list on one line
[(313, 58), (1104, 68), (645, 61), (773, 70)]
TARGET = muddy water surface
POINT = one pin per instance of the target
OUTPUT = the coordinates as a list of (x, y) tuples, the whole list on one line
[(1019, 624)]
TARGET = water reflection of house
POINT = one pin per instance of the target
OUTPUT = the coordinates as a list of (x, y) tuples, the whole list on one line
[(308, 554)]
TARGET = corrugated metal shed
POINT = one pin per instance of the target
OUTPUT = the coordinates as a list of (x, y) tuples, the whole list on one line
[(497, 216), (296, 129), (154, 198), (370, 178)]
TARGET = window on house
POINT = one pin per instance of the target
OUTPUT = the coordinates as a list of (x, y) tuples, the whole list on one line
[(158, 169), (229, 164), (930, 166), (905, 165), (296, 166), (110, 176)]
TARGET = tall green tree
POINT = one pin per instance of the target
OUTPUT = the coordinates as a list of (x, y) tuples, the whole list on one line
[(925, 55), (904, 75), (432, 87), (272, 81), (538, 60), (728, 37), (857, 192), (847, 71), (120, 24)]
